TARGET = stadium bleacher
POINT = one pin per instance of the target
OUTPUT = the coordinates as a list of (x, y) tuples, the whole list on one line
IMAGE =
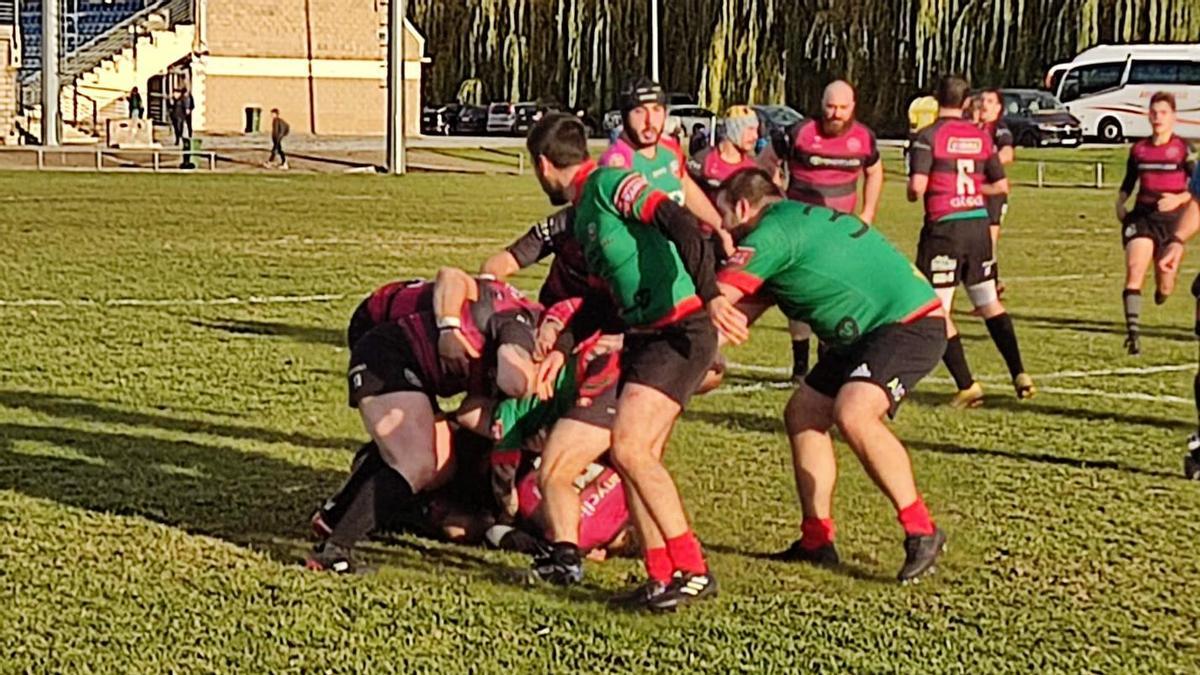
[(82, 22)]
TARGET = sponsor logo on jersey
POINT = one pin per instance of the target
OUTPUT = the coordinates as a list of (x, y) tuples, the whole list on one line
[(628, 192), (964, 146), (616, 159), (896, 389), (967, 202), (853, 144), (863, 370), (1173, 152), (847, 330), (836, 162)]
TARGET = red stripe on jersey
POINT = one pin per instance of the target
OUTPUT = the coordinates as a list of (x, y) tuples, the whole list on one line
[(505, 457), (646, 215), (740, 279), (923, 311), (686, 307), (581, 175)]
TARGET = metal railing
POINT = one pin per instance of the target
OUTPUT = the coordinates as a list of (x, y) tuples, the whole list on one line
[(157, 160)]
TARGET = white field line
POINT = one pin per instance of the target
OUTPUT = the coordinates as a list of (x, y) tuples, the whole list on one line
[(1090, 393), (1062, 391), (176, 302), (1038, 377)]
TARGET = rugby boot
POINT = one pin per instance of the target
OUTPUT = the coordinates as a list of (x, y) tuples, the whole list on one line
[(1023, 383), (1133, 343), (971, 397), (638, 596), (329, 557), (823, 556), (561, 565), (920, 555), (684, 589)]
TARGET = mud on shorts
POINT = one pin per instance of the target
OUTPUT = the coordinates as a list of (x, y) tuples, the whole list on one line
[(672, 359), (894, 357), (1147, 222), (956, 251)]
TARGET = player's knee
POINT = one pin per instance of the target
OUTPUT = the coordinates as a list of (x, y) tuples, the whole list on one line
[(859, 407), (628, 458)]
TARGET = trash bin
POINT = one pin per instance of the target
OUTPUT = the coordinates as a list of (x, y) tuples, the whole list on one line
[(253, 120), (190, 146)]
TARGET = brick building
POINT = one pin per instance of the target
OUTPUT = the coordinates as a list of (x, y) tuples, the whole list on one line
[(321, 62)]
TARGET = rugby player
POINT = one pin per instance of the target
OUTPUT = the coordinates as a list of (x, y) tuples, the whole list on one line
[(713, 165), (953, 167), (825, 160), (884, 330), (991, 120), (411, 342), (1191, 461), (1163, 215), (659, 274), (645, 148), (640, 146)]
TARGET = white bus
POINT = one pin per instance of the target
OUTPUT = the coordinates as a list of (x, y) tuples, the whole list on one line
[(1109, 88)]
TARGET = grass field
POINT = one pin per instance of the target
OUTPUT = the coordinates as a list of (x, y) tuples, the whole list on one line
[(172, 408)]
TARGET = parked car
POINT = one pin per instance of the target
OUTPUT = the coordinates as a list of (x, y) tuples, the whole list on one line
[(527, 114), (502, 117), (471, 120), (691, 115), (439, 120), (1037, 118), (611, 120), (775, 118)]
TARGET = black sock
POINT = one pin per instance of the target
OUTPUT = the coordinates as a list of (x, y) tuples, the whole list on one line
[(800, 357), (1133, 309), (956, 362), (1196, 398), (378, 495), (365, 463), (1005, 336)]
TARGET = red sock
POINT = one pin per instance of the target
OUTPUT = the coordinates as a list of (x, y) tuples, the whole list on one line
[(915, 520), (686, 555), (816, 532), (658, 565)]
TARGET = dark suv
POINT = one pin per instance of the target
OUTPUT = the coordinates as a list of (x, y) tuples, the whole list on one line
[(1037, 119)]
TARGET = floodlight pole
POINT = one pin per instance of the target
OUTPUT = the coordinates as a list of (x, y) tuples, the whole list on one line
[(654, 40), (397, 163), (50, 84)]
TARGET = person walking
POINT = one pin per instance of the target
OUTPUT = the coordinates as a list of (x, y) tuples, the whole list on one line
[(279, 130)]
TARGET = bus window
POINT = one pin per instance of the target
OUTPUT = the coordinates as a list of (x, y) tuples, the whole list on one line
[(1189, 73), (1154, 72), (1090, 79)]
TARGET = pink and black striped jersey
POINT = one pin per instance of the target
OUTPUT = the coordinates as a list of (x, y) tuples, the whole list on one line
[(959, 159)]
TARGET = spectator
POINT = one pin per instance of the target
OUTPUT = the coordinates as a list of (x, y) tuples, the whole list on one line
[(175, 109), (700, 139), (135, 104), (188, 104), (279, 131)]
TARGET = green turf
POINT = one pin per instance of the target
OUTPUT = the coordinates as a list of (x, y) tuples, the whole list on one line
[(158, 463)]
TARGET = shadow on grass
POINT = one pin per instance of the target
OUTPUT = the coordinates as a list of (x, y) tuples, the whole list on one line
[(84, 409), (309, 334), (1005, 401), (258, 502), (1039, 458), (844, 568), (1114, 327)]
